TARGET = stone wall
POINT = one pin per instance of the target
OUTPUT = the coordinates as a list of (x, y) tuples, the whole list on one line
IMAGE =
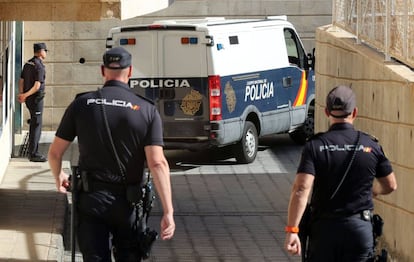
[(385, 98), (77, 10)]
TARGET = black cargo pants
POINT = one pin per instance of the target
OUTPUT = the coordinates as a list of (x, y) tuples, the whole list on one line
[(341, 239), (106, 223), (35, 106)]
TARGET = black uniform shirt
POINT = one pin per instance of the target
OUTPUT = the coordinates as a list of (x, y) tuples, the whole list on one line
[(327, 155), (33, 70), (133, 121)]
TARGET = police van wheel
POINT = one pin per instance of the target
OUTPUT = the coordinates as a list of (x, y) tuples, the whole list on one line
[(246, 149), (300, 135), (309, 126)]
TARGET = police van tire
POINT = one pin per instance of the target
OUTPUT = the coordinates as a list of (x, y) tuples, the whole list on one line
[(300, 135), (246, 149), (309, 126)]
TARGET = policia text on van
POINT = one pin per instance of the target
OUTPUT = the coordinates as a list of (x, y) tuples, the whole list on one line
[(219, 82)]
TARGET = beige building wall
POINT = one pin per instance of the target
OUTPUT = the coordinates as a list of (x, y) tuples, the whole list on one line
[(385, 98), (10, 37), (77, 10), (68, 42)]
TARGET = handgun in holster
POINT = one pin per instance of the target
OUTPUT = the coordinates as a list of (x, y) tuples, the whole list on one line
[(377, 226), (147, 236)]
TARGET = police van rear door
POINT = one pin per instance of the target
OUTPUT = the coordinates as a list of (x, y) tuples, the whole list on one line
[(183, 99), (170, 68)]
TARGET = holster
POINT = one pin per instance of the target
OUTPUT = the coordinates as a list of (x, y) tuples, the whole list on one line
[(377, 225), (146, 240), (84, 178), (134, 193), (75, 180), (78, 180), (146, 236)]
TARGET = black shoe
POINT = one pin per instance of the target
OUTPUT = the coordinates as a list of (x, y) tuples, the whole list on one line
[(38, 158)]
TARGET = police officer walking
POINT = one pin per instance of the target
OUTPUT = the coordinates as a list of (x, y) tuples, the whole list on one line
[(113, 119), (32, 92), (339, 166)]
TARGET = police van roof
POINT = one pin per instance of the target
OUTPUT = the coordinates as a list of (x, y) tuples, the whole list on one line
[(215, 20), (193, 24)]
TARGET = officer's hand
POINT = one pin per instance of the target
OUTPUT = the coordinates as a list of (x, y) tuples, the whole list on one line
[(292, 244), (167, 227), (62, 183), (21, 98)]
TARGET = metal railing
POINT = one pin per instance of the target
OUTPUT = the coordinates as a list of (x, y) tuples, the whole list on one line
[(387, 25)]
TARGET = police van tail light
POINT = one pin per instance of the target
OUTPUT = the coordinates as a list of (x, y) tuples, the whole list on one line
[(215, 97), (156, 26)]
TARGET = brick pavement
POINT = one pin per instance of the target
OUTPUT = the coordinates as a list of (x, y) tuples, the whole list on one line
[(223, 211), (227, 218), (230, 212), (32, 213)]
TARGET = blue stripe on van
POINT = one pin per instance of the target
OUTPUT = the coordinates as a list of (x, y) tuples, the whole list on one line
[(267, 90)]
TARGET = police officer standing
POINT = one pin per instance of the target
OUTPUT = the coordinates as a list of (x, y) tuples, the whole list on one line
[(104, 213), (341, 200), (32, 92)]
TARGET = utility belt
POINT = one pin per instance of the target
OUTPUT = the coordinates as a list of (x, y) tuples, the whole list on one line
[(137, 194), (365, 215), (93, 186), (94, 181), (140, 196)]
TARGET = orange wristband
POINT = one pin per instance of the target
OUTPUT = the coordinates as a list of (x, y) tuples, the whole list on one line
[(292, 229)]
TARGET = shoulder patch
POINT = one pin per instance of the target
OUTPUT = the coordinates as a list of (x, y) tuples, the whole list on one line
[(371, 136)]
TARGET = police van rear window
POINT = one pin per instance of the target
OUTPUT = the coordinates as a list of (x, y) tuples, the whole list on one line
[(234, 40)]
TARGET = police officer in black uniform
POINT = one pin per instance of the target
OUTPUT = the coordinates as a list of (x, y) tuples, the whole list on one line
[(32, 92), (135, 126), (340, 229)]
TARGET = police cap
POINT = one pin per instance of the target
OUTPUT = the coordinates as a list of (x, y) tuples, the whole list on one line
[(39, 46), (117, 58), (341, 98)]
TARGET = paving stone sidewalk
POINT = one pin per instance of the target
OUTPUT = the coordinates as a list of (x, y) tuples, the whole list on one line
[(223, 211)]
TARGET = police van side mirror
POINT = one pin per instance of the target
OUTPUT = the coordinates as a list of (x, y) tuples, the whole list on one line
[(310, 60)]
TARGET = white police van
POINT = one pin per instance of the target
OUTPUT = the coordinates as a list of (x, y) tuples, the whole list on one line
[(220, 82)]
